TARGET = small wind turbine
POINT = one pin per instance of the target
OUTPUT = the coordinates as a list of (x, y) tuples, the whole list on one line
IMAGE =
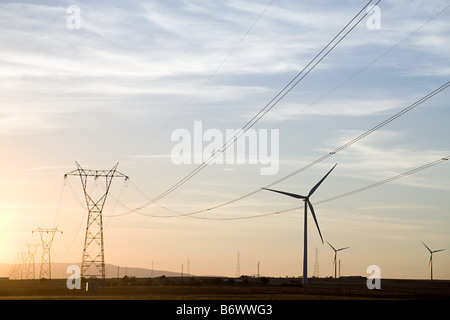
[(305, 227), (335, 256), (431, 258)]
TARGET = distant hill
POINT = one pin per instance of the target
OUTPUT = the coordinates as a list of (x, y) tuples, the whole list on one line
[(59, 271), (4, 269)]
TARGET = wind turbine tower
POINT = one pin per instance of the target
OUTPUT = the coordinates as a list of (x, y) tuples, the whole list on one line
[(335, 256), (431, 259), (305, 224)]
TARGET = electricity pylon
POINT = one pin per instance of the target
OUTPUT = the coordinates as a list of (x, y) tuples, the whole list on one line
[(47, 236), (93, 261), (189, 268), (316, 265), (22, 261), (238, 267), (31, 266)]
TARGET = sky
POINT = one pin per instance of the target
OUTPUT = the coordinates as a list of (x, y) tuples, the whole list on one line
[(110, 82)]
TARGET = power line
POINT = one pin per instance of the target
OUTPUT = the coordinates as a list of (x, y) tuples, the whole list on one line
[(323, 96), (365, 67), (210, 77), (368, 187), (59, 203), (326, 156), (371, 186), (311, 65), (374, 185)]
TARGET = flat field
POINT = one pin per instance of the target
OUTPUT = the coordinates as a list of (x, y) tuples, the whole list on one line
[(226, 289)]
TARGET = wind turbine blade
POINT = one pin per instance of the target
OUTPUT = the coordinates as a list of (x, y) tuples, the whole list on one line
[(342, 248), (298, 196), (438, 250), (331, 246), (431, 258), (334, 260), (320, 182), (315, 219), (426, 246)]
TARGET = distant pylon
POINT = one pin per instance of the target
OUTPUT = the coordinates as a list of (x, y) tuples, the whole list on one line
[(316, 265), (22, 260), (31, 265), (47, 236), (238, 267), (93, 261), (14, 271), (188, 268)]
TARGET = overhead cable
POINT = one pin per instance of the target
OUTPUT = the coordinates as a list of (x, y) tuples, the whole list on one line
[(294, 82)]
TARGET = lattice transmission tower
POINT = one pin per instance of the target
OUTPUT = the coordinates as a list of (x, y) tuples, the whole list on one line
[(93, 261), (21, 265), (316, 265), (31, 266), (47, 236), (238, 266)]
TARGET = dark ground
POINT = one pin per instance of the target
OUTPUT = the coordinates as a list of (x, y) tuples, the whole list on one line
[(244, 288)]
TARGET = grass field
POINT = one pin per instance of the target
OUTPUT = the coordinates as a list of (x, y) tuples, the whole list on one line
[(225, 289)]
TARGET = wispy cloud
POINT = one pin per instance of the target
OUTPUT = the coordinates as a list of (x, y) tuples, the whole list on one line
[(388, 152)]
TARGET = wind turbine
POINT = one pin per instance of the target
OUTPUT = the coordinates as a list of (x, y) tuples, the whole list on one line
[(305, 226), (335, 255), (431, 258)]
